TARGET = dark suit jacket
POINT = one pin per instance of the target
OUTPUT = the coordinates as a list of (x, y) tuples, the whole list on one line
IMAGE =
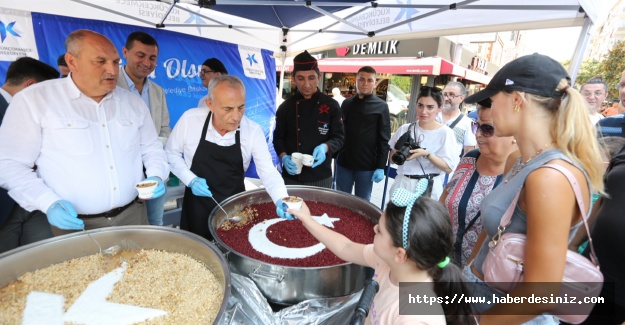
[(6, 202)]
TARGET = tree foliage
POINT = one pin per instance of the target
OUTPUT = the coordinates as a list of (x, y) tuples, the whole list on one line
[(588, 70), (612, 66)]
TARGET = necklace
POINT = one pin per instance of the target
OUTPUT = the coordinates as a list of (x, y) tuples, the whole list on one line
[(520, 164)]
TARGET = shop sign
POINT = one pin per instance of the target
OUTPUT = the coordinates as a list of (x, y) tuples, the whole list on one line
[(478, 64), (382, 47)]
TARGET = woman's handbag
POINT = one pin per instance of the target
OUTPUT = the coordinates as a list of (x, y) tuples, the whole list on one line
[(503, 266)]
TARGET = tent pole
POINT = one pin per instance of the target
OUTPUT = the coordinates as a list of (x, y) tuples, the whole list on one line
[(173, 4), (580, 49), (283, 64)]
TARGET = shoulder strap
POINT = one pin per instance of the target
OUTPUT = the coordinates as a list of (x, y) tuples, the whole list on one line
[(580, 203), (452, 125), (505, 220)]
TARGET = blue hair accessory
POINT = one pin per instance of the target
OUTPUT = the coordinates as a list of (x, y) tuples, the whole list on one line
[(403, 198)]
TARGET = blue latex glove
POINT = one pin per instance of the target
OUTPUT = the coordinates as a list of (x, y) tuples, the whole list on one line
[(378, 175), (320, 154), (62, 215), (281, 210), (289, 165), (199, 187), (160, 188)]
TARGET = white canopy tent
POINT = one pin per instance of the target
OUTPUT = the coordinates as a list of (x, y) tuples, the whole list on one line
[(377, 20)]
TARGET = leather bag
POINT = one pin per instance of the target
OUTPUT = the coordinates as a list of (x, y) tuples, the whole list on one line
[(503, 265)]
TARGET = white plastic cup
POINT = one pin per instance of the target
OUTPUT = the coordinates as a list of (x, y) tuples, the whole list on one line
[(146, 189), (296, 157), (292, 202), (308, 160)]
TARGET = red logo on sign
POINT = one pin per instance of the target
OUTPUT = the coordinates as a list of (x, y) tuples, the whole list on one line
[(342, 51), (324, 109)]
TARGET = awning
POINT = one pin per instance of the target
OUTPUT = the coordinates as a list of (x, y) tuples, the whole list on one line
[(476, 77), (421, 66)]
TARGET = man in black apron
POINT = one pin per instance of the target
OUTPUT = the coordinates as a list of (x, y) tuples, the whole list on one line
[(216, 168), (308, 122)]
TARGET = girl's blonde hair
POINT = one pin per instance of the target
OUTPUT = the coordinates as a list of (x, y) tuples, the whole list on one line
[(572, 131)]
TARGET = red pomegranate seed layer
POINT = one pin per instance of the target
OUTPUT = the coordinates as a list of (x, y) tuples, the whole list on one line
[(293, 234)]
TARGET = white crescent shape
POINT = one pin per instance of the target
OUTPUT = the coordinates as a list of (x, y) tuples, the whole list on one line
[(258, 238)]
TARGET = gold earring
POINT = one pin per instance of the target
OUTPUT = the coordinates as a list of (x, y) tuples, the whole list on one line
[(516, 108)]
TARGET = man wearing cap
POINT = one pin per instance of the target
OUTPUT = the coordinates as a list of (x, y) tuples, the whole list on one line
[(211, 68), (367, 131), (309, 122), (89, 139), (211, 148), (141, 53), (614, 125)]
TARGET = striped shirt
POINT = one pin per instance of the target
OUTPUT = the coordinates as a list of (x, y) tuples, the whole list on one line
[(611, 126)]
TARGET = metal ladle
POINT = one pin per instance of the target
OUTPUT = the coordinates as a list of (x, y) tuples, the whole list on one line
[(231, 219)]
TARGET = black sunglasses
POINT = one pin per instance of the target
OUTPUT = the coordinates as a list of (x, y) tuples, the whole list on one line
[(487, 129)]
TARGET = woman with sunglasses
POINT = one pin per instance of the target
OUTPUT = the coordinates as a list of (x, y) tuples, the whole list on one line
[(437, 152), (479, 171), (532, 101)]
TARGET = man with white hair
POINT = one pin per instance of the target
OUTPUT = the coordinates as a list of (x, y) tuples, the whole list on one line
[(211, 148), (453, 94), (89, 139), (336, 94)]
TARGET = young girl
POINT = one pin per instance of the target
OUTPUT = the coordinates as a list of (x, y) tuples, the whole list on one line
[(413, 241)]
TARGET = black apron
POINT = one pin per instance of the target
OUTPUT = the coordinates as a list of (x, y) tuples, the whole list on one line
[(222, 167)]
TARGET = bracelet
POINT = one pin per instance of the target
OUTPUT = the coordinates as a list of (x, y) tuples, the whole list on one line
[(428, 155)]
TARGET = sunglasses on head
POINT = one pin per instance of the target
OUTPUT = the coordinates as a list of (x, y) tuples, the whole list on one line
[(487, 129)]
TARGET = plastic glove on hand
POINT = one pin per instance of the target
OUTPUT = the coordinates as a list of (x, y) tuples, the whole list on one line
[(62, 215), (319, 154), (199, 187), (281, 210), (289, 165), (378, 175), (160, 188)]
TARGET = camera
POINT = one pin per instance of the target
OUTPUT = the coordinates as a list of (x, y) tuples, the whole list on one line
[(404, 144)]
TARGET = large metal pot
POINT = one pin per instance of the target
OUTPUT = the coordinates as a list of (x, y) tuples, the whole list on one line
[(289, 285), (41, 254)]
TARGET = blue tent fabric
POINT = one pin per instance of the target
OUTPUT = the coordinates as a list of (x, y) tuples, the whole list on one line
[(280, 15)]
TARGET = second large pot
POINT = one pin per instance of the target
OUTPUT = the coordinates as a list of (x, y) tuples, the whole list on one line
[(289, 285)]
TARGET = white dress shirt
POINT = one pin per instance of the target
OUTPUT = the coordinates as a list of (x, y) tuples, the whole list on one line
[(185, 138), (465, 127), (90, 154)]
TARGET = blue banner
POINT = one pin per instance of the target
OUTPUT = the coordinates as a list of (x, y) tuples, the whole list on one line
[(179, 62)]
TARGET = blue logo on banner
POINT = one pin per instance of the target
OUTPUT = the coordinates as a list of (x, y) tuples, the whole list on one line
[(409, 12), (4, 29), (195, 19), (250, 57)]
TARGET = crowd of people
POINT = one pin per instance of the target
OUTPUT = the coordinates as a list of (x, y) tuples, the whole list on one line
[(87, 138)]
